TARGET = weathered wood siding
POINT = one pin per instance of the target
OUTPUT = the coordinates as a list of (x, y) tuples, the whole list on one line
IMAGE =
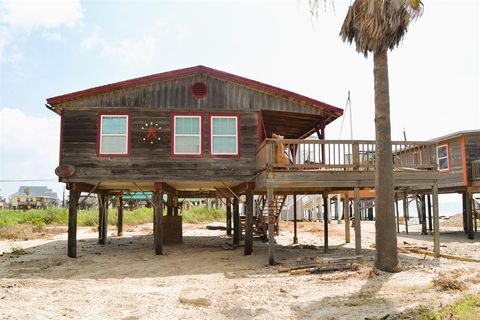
[(454, 177), (153, 162), (472, 152), (175, 94)]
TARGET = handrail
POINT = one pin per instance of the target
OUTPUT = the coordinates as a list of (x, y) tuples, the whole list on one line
[(359, 155)]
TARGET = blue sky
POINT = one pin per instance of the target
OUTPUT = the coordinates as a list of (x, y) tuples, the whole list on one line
[(51, 48)]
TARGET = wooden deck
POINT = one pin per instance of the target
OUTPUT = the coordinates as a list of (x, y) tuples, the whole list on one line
[(313, 166)]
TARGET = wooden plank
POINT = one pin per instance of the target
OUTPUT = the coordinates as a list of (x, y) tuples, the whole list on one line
[(72, 223)]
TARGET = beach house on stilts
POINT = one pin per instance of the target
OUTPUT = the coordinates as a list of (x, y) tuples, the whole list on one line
[(201, 132)]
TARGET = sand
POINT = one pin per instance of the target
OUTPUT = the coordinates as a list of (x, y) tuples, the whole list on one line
[(201, 280)]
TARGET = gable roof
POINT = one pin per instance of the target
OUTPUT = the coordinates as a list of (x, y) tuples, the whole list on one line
[(190, 71), (455, 135)]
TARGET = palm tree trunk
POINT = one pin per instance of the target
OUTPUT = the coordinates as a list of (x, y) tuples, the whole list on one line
[(385, 234)]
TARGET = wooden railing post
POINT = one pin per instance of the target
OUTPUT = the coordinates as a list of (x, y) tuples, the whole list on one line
[(355, 155), (269, 151)]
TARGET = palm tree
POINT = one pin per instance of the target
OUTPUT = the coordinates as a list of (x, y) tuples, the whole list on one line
[(377, 26)]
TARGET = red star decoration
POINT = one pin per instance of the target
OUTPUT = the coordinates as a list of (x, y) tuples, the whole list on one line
[(151, 133)]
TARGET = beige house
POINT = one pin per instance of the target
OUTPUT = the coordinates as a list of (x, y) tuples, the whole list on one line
[(34, 197)]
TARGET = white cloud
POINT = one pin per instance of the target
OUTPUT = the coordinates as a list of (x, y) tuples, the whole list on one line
[(52, 36), (29, 149), (28, 14), (128, 51), (19, 17)]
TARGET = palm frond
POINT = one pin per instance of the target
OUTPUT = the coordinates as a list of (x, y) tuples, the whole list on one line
[(378, 25)]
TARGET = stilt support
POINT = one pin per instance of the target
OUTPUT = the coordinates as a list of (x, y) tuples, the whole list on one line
[(102, 218), (236, 222), (158, 219), (346, 215), (72, 222), (271, 227), (326, 214), (436, 222), (295, 239), (358, 231), (249, 220), (120, 216)]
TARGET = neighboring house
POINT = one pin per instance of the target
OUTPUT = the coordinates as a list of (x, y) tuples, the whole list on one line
[(3, 203), (458, 156), (34, 197)]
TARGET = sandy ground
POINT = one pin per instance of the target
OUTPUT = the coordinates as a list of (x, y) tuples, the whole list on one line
[(201, 280)]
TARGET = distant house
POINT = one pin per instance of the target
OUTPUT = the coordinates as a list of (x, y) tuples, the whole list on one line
[(458, 158), (34, 197)]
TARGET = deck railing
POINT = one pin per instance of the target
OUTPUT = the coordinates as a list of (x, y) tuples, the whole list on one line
[(476, 170), (339, 155)]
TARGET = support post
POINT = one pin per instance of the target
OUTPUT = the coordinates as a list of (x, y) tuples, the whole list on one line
[(249, 222), (175, 206), (120, 216), (236, 222), (337, 209), (436, 222), (405, 211), (170, 204), (464, 211), (158, 219), (72, 222), (358, 232), (429, 206), (271, 227), (346, 215), (229, 217), (295, 239), (326, 213), (424, 214), (469, 215), (102, 217), (397, 213)]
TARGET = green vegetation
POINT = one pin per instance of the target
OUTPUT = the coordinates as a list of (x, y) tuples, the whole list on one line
[(59, 216), (18, 251), (467, 308)]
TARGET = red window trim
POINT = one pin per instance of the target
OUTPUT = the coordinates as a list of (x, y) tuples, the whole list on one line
[(231, 115), (448, 158), (172, 135), (129, 133)]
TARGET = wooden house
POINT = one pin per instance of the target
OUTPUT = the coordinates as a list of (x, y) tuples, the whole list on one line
[(458, 157), (201, 132)]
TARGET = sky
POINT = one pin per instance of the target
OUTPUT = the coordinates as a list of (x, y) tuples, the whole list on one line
[(49, 48)]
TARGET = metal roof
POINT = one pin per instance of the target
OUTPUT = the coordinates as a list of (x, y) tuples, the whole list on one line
[(36, 191), (455, 135)]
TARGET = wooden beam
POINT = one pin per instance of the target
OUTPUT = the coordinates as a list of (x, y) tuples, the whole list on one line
[(436, 222), (158, 221), (102, 217), (295, 238), (236, 222), (346, 216), (249, 222), (271, 227), (120, 216), (72, 222), (326, 215), (357, 213)]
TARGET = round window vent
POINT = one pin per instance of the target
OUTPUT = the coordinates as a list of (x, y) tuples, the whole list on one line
[(199, 90)]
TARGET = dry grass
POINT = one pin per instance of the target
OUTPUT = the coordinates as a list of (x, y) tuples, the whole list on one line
[(448, 282)]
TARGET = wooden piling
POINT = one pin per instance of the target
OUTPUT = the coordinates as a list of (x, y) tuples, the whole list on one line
[(120, 216), (295, 239), (158, 221), (464, 211), (405, 211), (249, 222), (397, 213), (72, 222), (424, 214), (429, 206), (271, 227), (236, 222), (436, 222), (102, 217), (358, 237), (229, 217), (469, 215), (346, 215), (326, 214)]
